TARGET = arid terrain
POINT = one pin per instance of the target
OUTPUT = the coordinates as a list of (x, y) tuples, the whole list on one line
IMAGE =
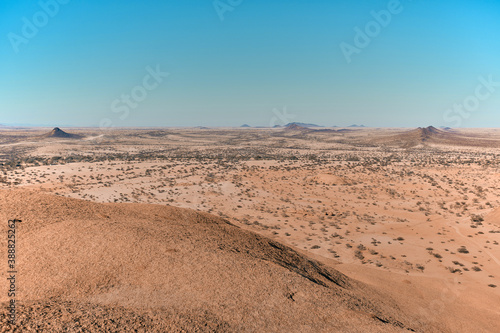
[(254, 229)]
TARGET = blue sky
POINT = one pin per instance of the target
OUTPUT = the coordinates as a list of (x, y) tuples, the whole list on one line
[(89, 63)]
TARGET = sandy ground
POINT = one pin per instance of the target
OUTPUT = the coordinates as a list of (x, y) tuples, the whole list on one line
[(411, 213)]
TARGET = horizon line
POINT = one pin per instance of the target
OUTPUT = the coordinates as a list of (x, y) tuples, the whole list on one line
[(13, 126)]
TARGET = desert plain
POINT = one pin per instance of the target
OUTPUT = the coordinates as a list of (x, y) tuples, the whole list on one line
[(289, 229)]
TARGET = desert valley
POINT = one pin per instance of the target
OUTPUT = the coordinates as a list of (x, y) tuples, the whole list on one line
[(289, 229)]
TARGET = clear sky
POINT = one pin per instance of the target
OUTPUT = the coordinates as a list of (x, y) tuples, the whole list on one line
[(260, 62)]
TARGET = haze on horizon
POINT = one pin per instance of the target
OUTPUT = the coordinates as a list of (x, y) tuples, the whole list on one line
[(263, 63)]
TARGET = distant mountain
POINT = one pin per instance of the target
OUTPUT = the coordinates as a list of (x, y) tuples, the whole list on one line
[(59, 133), (354, 125), (428, 132), (295, 127), (430, 135), (302, 124), (245, 125)]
